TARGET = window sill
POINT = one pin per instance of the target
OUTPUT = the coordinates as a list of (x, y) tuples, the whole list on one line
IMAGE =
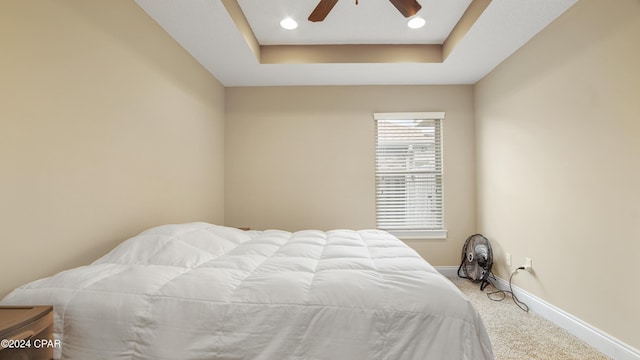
[(419, 234)]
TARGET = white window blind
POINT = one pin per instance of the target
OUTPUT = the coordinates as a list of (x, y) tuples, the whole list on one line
[(409, 201)]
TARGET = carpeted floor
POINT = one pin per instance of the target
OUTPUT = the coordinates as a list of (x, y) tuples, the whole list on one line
[(519, 335)]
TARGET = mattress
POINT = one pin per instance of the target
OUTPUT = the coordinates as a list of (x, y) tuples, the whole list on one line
[(202, 291)]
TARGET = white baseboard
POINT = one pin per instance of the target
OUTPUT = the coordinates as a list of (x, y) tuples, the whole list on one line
[(593, 336)]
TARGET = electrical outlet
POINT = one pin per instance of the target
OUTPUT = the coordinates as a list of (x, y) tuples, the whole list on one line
[(527, 264), (507, 258)]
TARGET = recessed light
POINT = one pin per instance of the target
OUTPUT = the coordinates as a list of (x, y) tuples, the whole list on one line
[(288, 23), (416, 23)]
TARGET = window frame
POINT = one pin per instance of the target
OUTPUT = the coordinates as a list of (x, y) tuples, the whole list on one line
[(434, 233)]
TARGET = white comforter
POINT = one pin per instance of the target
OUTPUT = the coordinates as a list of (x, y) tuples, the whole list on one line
[(200, 291)]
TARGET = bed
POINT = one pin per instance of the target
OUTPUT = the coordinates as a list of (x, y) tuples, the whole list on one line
[(202, 291)]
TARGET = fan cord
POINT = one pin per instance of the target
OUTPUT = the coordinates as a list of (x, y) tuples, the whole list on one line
[(491, 295)]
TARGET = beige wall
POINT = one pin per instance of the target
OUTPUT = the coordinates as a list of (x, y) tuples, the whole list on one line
[(107, 127), (303, 157), (558, 148)]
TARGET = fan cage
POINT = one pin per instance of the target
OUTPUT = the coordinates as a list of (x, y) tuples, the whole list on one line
[(476, 260)]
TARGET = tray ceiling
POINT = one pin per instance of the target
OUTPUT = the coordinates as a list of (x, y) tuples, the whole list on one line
[(242, 44)]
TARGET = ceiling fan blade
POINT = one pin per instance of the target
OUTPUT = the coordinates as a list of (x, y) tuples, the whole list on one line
[(322, 10), (407, 7)]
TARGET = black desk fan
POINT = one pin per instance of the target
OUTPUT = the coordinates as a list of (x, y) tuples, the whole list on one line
[(477, 260)]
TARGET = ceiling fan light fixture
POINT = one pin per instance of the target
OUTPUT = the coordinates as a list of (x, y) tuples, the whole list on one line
[(416, 22), (288, 23)]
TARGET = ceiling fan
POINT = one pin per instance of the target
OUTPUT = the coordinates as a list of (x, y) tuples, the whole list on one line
[(406, 7)]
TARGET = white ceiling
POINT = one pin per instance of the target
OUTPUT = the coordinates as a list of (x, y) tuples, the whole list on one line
[(369, 22), (206, 30)]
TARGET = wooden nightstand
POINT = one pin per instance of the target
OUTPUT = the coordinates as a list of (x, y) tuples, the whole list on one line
[(26, 332)]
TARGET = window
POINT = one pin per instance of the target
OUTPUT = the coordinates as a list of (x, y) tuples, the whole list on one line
[(409, 201)]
